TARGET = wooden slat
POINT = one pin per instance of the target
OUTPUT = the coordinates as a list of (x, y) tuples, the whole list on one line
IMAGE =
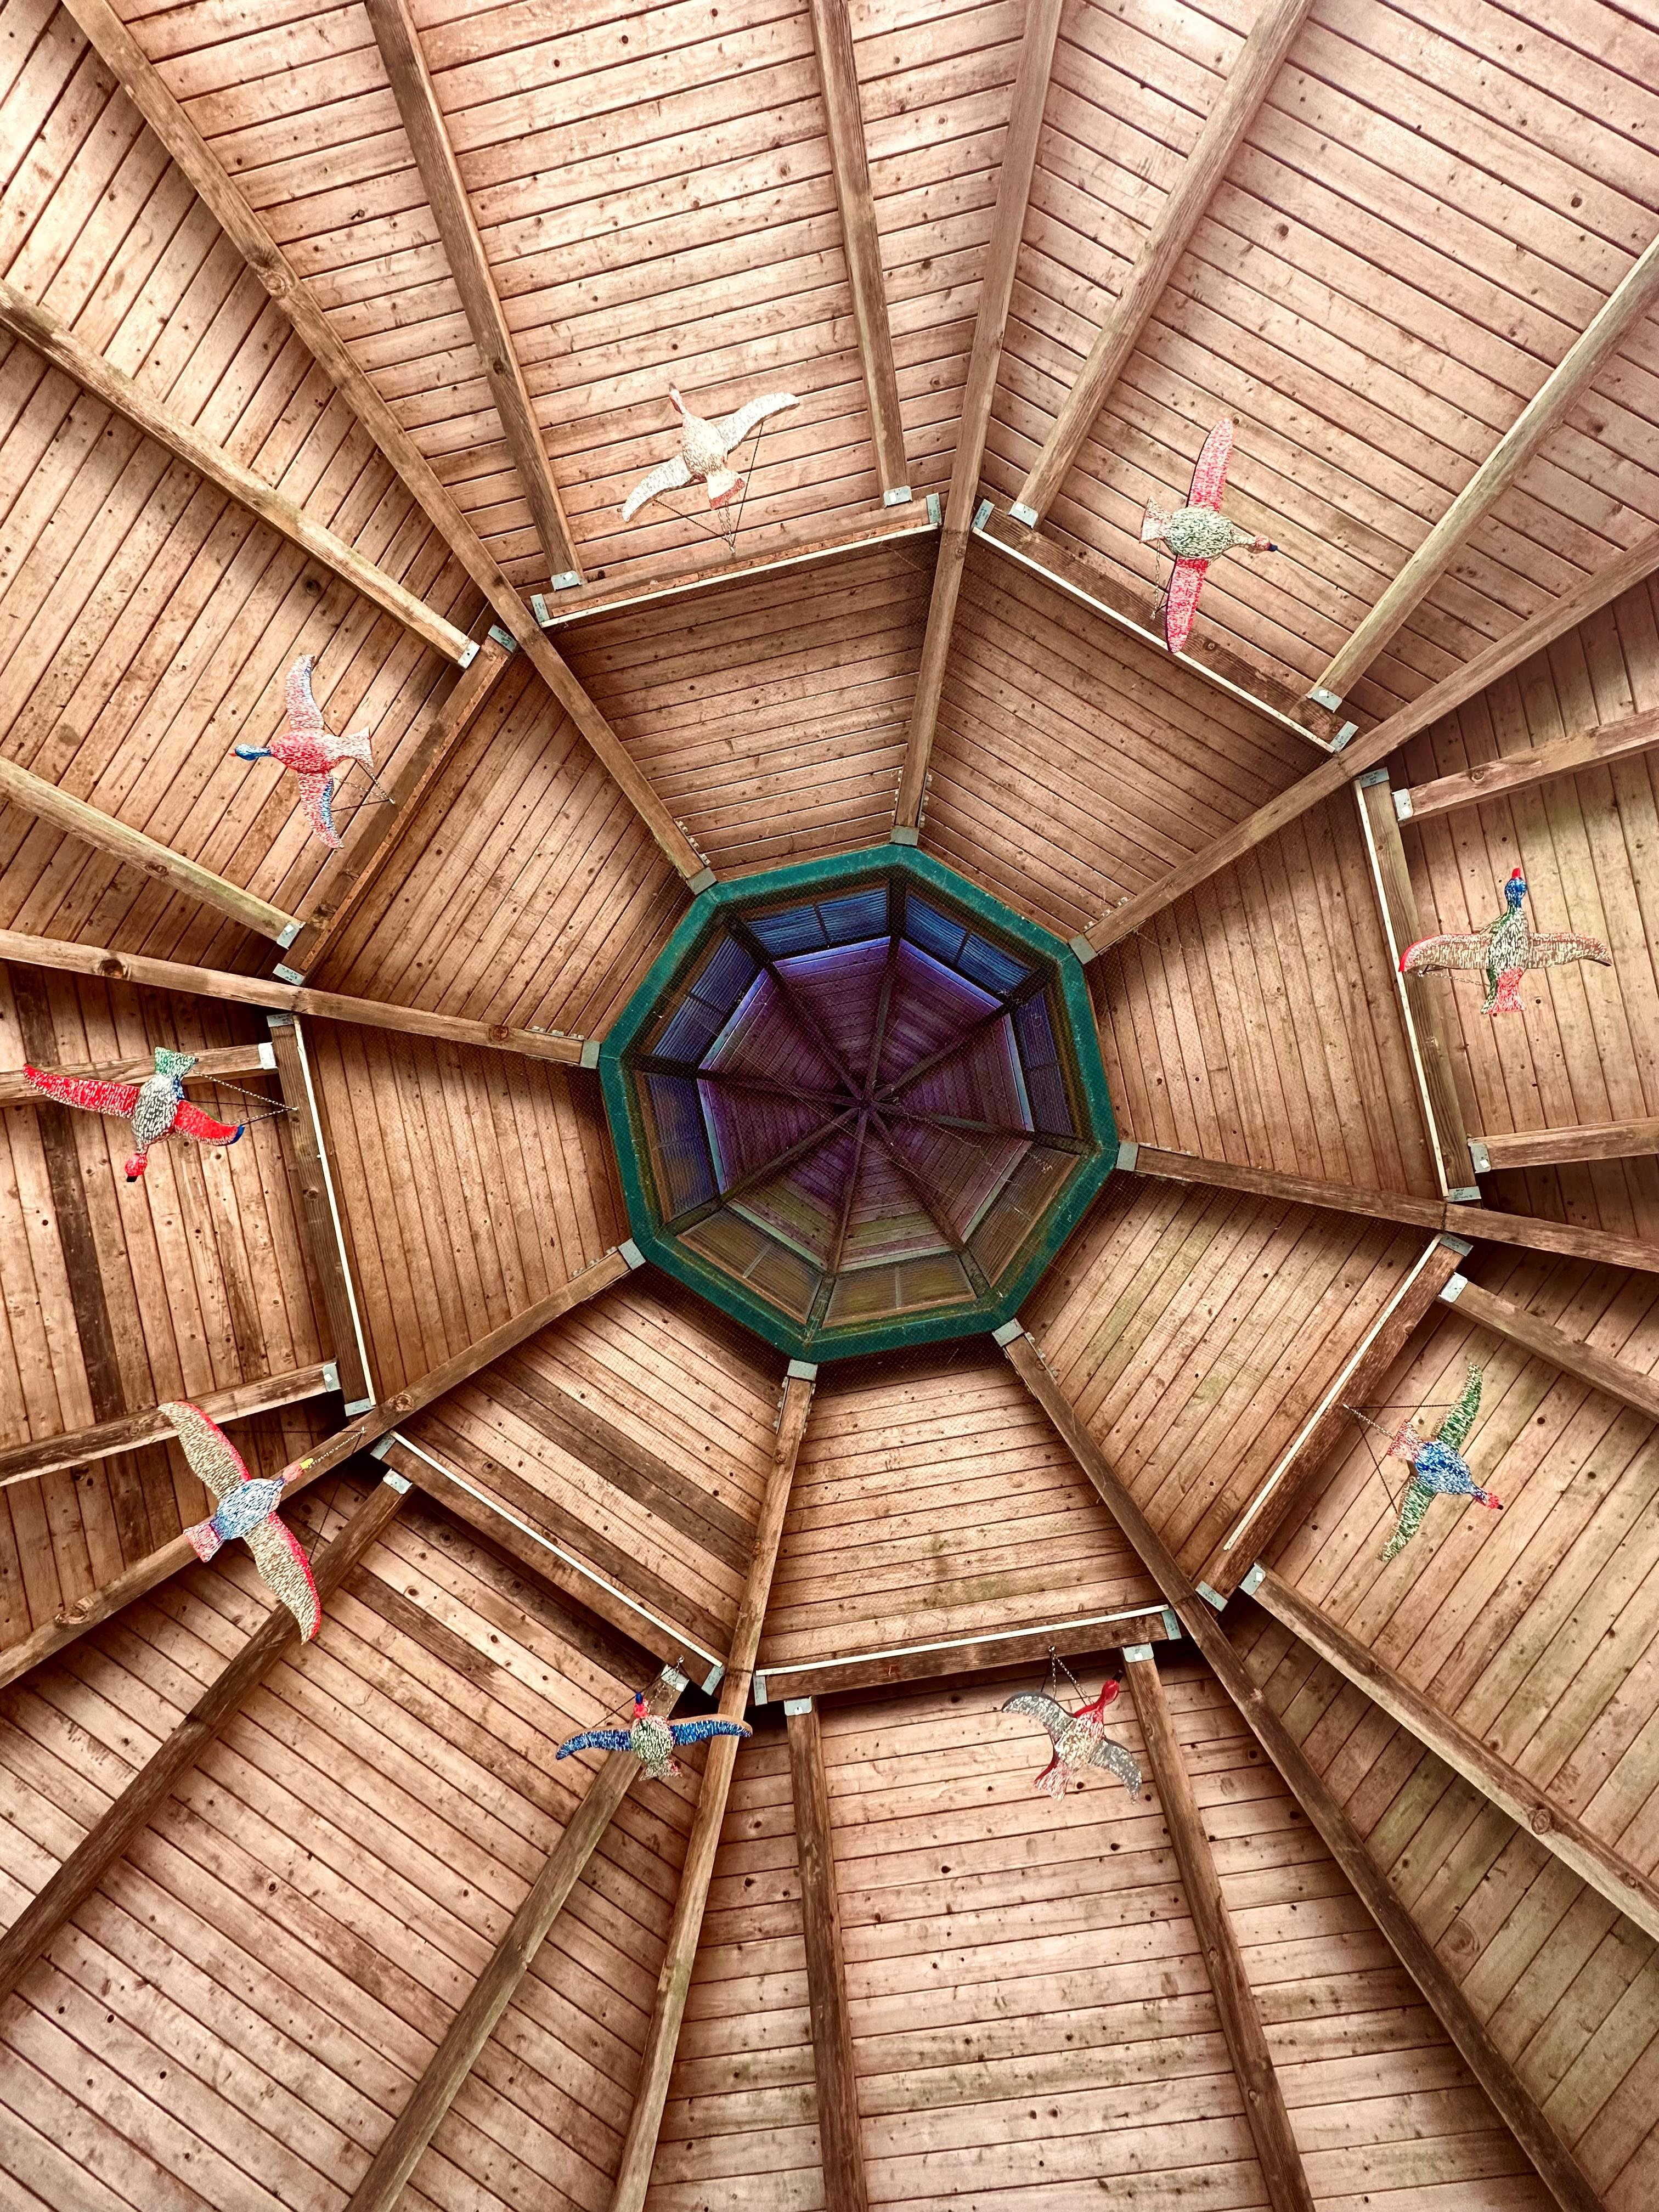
[(46, 1454), (323, 1240), (1615, 1377), (850, 170), (107, 1839), (1376, 744), (1624, 1887), (674, 1981), (1270, 39), (1288, 2188), (1497, 2076), (1596, 1140), (840, 2151), (218, 1059), (1542, 415), (1036, 54), (38, 327), (1591, 746), (946, 1662)]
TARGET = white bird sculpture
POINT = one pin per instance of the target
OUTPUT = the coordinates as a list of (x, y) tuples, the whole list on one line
[(704, 447)]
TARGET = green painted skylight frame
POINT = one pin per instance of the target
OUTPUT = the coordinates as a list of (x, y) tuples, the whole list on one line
[(812, 879)]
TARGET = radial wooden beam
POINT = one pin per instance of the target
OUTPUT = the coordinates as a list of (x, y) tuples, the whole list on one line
[(451, 211), (1594, 745), (1624, 1887), (79, 1446), (108, 1838), (1590, 1141), (127, 62), (674, 1981), (1555, 2165), (840, 2150), (1036, 53), (1367, 751), (1224, 131), (1615, 1378), (70, 959), (475, 2021), (950, 1658), (1282, 2170), (1541, 418), (320, 1214), (38, 327), (850, 170)]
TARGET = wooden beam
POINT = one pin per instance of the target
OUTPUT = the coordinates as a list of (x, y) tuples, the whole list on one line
[(320, 1214), (475, 2019), (38, 327), (1282, 2170), (49, 802), (451, 211), (1624, 1887), (108, 1838), (367, 1428), (1615, 1378), (947, 1660), (70, 959), (1554, 2164), (1592, 745), (1297, 1477), (348, 873), (1537, 422), (1525, 1230), (1592, 1140), (674, 1981), (125, 59), (1036, 53), (840, 2149), (237, 1402), (1374, 747), (850, 170), (218, 1059), (1219, 142), (1422, 1006)]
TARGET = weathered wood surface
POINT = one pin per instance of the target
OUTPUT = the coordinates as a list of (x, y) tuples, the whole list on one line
[(835, 2081), (1588, 747), (324, 1236), (1594, 1140), (26, 1462)]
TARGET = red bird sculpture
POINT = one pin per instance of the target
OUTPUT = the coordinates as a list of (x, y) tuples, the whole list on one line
[(1197, 534), (156, 1107), (1504, 950), (1079, 1738), (308, 747)]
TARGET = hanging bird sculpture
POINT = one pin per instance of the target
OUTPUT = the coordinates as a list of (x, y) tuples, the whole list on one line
[(653, 1742), (247, 1506), (315, 755), (1197, 534), (704, 447), (1504, 948), (1437, 1468), (1079, 1738), (156, 1107)]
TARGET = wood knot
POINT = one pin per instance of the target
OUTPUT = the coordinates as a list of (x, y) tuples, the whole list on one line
[(499, 1032), (109, 965), (1541, 1822), (402, 1402)]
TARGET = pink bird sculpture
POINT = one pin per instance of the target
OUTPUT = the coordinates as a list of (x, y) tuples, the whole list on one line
[(308, 747), (704, 447), (1079, 1738), (1197, 534), (245, 1506), (1503, 951), (156, 1107)]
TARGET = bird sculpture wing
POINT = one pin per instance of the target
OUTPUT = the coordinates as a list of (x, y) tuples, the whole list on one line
[(1054, 1718), (1547, 949), (1122, 1762), (214, 1460), (1431, 955), (1180, 602), (594, 1740), (671, 476), (1209, 476), (189, 1121), (1461, 1420), (699, 1731), (1412, 1513), (732, 429), (317, 797), (278, 1555), (305, 717), (89, 1091)]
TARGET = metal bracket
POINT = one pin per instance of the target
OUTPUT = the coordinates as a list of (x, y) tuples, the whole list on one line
[(267, 1056), (1008, 1333), (567, 579), (1212, 1597), (983, 513), (289, 935), (935, 510), (1253, 1582), (1081, 950), (1479, 1157), (380, 1447), (468, 653), (331, 1376), (1137, 1650), (629, 1250), (673, 1677), (897, 495), (757, 1689), (1402, 805), (1171, 1624), (393, 1480), (802, 1370), (1343, 735), (287, 975), (796, 1706), (359, 1404), (1371, 778), (901, 836), (1453, 1289), (538, 608), (278, 1020), (1021, 513), (590, 1052), (504, 637), (702, 881), (1329, 700), (716, 1677), (1467, 1193), (1127, 1154)]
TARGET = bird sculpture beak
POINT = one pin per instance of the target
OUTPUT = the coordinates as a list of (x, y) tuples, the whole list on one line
[(251, 752), (135, 1167), (1496, 1504)]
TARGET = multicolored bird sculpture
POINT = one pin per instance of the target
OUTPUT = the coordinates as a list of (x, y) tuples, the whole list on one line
[(1437, 1468), (1504, 948), (1079, 1738), (245, 1506), (1197, 534), (315, 755), (704, 449), (156, 1107), (653, 1742)]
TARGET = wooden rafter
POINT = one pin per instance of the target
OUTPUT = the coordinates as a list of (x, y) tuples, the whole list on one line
[(1036, 53), (217, 1060), (1542, 415), (1288, 2187), (849, 169), (1594, 745), (1224, 131), (237, 1402), (1616, 1378), (1554, 2163), (324, 1238), (451, 211), (948, 1657), (1589, 1141), (38, 327), (674, 1981), (132, 70), (839, 2147), (1367, 751)]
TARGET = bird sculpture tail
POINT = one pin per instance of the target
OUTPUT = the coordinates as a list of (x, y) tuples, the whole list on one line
[(724, 484), (1154, 523), (1412, 1513), (204, 1540), (355, 747)]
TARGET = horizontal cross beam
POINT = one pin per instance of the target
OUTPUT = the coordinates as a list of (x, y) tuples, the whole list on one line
[(1596, 745), (239, 1401)]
